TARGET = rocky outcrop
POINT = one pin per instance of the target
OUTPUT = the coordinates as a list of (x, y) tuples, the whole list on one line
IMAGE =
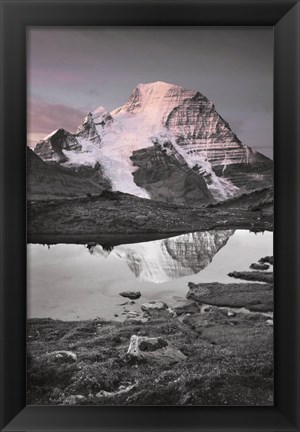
[(253, 275), (258, 266), (267, 259), (88, 130), (153, 350), (248, 176), (253, 296), (156, 308), (52, 146), (133, 295), (167, 177), (93, 125)]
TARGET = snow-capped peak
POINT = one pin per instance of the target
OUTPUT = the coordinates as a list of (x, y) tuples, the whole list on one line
[(154, 101), (156, 112), (157, 86)]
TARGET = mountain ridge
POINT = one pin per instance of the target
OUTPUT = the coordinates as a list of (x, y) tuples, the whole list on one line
[(157, 114)]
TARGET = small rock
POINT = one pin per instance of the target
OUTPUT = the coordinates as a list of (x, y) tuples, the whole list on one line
[(132, 313), (269, 322), (230, 314), (133, 295), (64, 355), (259, 266)]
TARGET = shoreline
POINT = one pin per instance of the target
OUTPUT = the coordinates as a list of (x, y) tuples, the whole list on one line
[(204, 355), (117, 238)]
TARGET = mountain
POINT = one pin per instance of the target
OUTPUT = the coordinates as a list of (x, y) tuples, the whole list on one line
[(166, 143), (48, 181), (172, 258)]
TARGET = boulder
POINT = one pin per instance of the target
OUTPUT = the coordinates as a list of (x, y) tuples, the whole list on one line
[(259, 266), (267, 259), (154, 306), (153, 350), (133, 295)]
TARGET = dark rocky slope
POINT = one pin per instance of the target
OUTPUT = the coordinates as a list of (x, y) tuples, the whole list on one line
[(168, 178), (50, 180), (113, 213)]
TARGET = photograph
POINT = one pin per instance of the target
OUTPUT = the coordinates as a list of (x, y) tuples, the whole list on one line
[(150, 216)]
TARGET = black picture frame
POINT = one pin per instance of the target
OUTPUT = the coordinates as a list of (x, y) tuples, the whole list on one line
[(284, 17)]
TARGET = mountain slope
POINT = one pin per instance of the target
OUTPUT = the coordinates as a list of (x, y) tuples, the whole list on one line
[(198, 139), (53, 181), (168, 179)]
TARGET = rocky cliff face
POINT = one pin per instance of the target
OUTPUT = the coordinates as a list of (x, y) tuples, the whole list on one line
[(200, 130), (199, 155), (168, 178), (52, 147), (93, 125)]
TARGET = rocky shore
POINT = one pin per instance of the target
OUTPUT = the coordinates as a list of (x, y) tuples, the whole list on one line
[(216, 349)]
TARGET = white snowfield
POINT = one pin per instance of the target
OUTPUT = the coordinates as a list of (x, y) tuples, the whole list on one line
[(137, 125)]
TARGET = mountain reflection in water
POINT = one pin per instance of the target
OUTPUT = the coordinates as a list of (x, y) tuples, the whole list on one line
[(172, 258), (73, 281)]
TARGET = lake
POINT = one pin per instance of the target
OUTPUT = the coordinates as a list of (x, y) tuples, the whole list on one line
[(78, 282)]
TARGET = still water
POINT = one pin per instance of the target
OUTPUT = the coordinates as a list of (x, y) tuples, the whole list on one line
[(76, 282)]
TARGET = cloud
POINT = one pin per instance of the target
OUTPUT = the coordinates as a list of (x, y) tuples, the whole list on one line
[(43, 118)]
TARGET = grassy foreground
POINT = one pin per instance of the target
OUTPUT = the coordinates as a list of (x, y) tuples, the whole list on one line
[(229, 361)]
